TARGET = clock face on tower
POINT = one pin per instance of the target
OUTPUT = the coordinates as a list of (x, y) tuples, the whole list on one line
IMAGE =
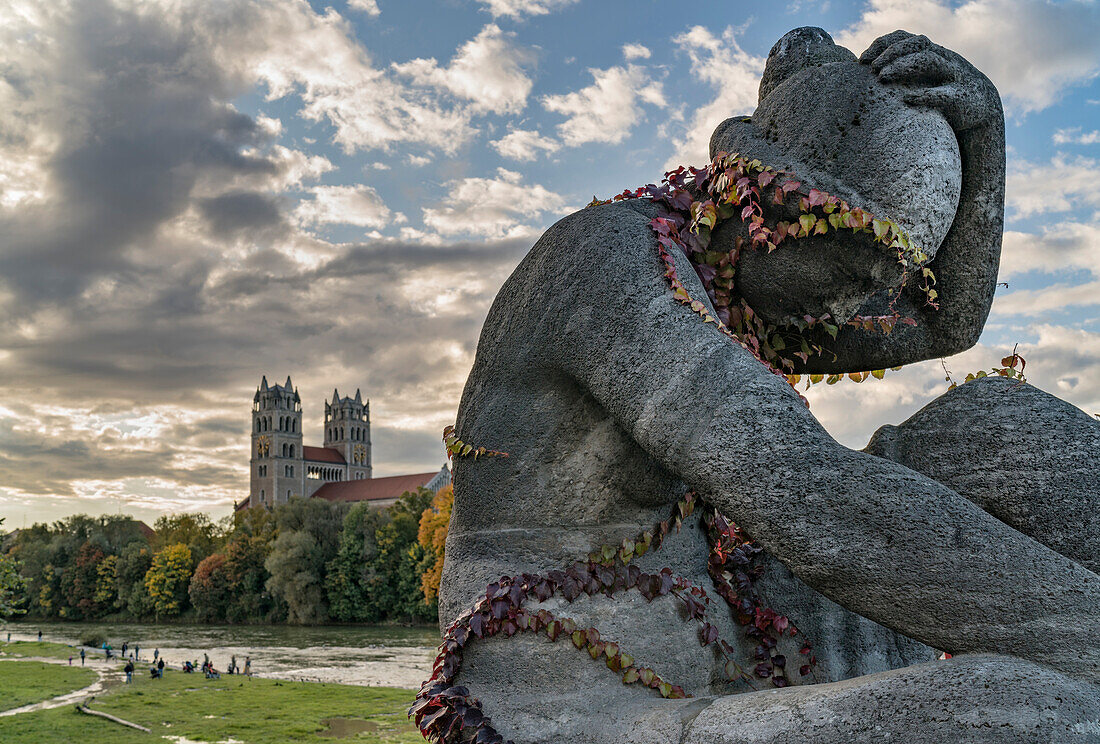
[(263, 446), (359, 454)]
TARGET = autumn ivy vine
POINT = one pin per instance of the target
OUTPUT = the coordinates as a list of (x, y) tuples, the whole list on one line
[(447, 713), (692, 202)]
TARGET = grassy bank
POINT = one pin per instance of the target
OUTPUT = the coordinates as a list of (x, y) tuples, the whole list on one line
[(257, 711), (24, 682), (43, 650)]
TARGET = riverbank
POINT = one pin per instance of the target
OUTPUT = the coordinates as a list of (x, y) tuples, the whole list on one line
[(188, 709), (368, 655), (25, 682)]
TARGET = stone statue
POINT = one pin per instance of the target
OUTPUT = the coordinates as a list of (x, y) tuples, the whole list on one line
[(972, 528)]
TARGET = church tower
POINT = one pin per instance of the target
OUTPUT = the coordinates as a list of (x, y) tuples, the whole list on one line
[(278, 472), (347, 430)]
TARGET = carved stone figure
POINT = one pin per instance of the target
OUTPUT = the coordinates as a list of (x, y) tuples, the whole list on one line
[(971, 528)]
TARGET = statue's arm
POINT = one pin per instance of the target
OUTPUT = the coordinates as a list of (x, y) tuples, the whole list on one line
[(965, 266), (876, 537)]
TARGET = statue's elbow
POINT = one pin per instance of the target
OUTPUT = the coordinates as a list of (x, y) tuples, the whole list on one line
[(957, 338)]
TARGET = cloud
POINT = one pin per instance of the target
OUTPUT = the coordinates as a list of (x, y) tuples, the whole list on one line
[(347, 205), (497, 208), (153, 261), (487, 71), (293, 51), (1033, 51), (524, 145), (234, 212), (1075, 136), (1062, 247), (518, 8), (370, 7), (119, 125), (1052, 298), (1061, 360), (635, 51), (607, 110), (731, 72), (1058, 186)]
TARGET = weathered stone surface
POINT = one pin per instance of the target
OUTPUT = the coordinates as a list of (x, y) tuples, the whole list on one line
[(612, 399), (866, 133), (1020, 454)]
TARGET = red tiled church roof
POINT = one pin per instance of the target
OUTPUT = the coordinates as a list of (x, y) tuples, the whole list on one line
[(322, 454), (372, 489)]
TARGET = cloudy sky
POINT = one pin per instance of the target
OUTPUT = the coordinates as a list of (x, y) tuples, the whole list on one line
[(194, 194)]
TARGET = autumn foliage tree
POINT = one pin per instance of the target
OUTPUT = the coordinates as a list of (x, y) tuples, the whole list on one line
[(168, 579), (209, 589), (432, 537)]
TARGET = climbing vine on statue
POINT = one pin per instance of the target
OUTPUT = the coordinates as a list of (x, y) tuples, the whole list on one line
[(446, 712), (692, 202)]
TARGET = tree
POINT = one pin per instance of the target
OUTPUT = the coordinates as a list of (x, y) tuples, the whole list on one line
[(12, 586), (308, 538), (209, 589), (79, 581), (432, 537), (296, 565), (196, 531), (133, 563), (393, 586), (349, 573), (249, 598), (168, 579), (106, 588)]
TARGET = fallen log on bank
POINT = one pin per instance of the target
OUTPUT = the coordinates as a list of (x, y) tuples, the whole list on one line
[(83, 708)]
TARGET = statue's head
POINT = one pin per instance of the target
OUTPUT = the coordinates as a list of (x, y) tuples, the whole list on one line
[(798, 50), (828, 120)]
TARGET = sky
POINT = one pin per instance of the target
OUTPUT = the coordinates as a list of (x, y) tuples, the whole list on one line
[(194, 194)]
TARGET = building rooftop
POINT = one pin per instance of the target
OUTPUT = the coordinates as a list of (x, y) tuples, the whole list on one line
[(373, 489), (322, 454)]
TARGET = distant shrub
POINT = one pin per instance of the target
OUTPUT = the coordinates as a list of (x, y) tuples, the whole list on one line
[(92, 638)]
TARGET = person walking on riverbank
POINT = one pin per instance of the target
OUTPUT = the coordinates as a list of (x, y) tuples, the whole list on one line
[(124, 645), (70, 658), (137, 652), (156, 654), (40, 636), (160, 668), (129, 669), (248, 666), (82, 657)]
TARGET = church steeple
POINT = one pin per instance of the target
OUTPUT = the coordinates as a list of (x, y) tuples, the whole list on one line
[(276, 462), (347, 430)]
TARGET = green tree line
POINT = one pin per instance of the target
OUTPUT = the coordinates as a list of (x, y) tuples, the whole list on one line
[(304, 562)]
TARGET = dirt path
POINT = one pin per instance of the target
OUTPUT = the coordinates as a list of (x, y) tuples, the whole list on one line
[(109, 675)]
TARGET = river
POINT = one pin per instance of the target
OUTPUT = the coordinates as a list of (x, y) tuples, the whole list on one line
[(352, 654)]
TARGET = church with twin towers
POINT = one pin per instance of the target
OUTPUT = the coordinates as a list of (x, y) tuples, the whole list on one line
[(282, 467)]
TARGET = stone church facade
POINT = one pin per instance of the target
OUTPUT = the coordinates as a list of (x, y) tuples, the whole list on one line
[(282, 467)]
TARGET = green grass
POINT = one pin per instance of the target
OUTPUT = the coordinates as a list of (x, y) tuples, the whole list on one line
[(260, 711), (24, 682), (42, 649)]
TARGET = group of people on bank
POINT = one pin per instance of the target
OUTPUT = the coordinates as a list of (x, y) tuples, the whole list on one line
[(132, 655)]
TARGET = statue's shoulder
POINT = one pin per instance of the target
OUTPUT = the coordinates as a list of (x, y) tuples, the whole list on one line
[(603, 238)]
